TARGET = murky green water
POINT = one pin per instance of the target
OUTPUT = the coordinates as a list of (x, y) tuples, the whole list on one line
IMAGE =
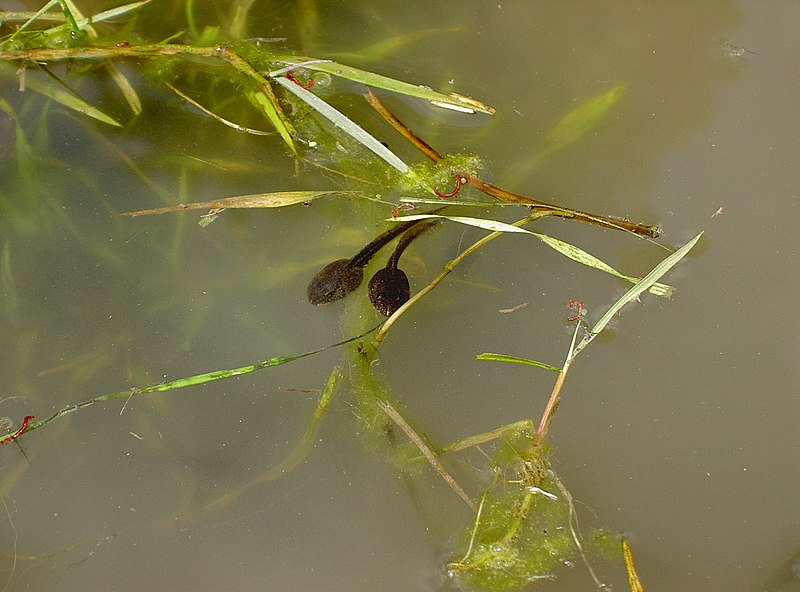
[(678, 427)]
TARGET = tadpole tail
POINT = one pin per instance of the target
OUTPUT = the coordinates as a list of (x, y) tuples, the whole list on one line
[(361, 258)]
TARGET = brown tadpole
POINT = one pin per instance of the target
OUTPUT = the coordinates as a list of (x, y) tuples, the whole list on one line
[(389, 288), (338, 278)]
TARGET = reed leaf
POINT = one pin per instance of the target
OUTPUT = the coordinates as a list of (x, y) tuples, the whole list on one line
[(566, 249), (515, 360), (344, 123), (278, 199), (379, 81)]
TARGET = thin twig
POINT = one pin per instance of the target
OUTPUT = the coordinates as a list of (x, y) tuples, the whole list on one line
[(393, 414)]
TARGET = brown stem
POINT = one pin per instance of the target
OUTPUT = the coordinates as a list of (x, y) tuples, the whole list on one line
[(502, 194)]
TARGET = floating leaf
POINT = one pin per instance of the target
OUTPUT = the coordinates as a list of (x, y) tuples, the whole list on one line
[(277, 199), (515, 360)]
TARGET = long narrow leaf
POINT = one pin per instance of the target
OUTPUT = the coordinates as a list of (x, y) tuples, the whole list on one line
[(454, 100), (566, 249), (69, 100), (344, 123), (657, 272), (32, 20), (515, 360), (276, 199)]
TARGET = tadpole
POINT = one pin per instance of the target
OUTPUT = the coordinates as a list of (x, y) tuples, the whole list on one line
[(389, 288), (338, 278)]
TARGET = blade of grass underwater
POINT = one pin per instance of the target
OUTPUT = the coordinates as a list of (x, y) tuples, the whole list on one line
[(345, 124), (644, 284), (260, 99), (571, 251), (125, 87), (378, 51), (184, 382), (222, 120), (112, 13), (67, 99), (32, 20), (299, 453), (278, 199), (515, 360), (379, 81), (583, 118)]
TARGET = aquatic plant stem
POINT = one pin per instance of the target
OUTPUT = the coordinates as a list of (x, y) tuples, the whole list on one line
[(502, 194)]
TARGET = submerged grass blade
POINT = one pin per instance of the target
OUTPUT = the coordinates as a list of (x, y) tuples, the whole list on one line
[(278, 199), (583, 118), (344, 123), (33, 19), (261, 100), (112, 13), (69, 100), (633, 578), (566, 249), (236, 126), (184, 382), (379, 50), (298, 453), (515, 360), (379, 81)]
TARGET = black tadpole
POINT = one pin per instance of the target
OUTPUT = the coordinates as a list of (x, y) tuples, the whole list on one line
[(389, 288), (338, 278)]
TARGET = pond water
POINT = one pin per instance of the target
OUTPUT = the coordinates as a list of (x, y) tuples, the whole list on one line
[(677, 426)]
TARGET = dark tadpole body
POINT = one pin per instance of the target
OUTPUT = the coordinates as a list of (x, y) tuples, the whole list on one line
[(338, 278), (389, 288)]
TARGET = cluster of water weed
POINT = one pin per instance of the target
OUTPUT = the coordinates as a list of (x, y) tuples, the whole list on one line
[(522, 526)]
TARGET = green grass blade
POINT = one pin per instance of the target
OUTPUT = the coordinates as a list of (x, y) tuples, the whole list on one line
[(69, 100), (515, 360), (184, 382), (112, 13), (276, 199), (644, 284), (379, 50), (455, 101), (566, 249), (344, 123), (584, 117), (260, 99), (32, 20)]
